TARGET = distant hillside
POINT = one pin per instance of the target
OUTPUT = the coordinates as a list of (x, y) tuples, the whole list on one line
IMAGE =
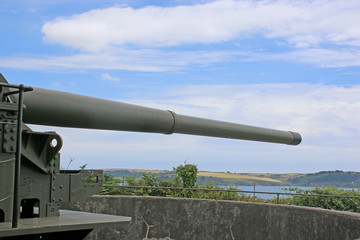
[(137, 173), (133, 172), (218, 178), (324, 178), (229, 179)]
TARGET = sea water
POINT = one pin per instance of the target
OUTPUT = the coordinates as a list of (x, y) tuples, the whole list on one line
[(272, 189)]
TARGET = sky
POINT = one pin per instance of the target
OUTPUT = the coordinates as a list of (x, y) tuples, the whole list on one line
[(288, 64)]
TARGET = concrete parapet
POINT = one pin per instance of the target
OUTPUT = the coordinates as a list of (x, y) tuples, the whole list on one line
[(180, 219)]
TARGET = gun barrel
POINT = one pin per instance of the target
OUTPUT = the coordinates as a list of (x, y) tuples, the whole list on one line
[(54, 108)]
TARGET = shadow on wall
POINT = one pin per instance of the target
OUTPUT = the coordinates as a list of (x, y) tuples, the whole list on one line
[(177, 218)]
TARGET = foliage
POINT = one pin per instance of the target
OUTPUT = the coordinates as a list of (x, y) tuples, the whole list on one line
[(82, 167), (172, 182), (218, 193), (109, 178), (335, 203), (131, 181), (188, 175), (148, 180)]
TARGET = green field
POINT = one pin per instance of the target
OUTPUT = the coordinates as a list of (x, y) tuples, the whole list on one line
[(247, 177)]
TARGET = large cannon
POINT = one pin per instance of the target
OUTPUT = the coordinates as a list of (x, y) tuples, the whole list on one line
[(77, 111), (32, 185)]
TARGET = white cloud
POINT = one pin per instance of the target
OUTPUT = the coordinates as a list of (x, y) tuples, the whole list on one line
[(300, 23), (132, 60), (322, 57), (162, 61), (57, 84), (108, 77), (323, 33), (130, 39)]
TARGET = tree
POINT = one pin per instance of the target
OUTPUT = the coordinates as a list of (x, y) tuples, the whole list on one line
[(148, 180), (109, 178), (188, 175)]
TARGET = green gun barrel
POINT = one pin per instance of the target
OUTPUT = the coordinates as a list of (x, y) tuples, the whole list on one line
[(55, 108)]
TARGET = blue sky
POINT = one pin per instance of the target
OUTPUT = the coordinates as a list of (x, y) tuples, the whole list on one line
[(289, 65)]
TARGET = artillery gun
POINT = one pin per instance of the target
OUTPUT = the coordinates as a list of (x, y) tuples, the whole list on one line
[(32, 185)]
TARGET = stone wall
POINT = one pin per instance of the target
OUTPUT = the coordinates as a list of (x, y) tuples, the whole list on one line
[(176, 218)]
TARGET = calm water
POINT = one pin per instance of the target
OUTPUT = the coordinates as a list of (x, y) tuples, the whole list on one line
[(273, 189)]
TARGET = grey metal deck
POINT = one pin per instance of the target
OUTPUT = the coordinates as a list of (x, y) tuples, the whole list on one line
[(67, 221)]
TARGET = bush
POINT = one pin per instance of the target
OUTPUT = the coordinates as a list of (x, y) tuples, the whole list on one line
[(188, 175), (335, 203)]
